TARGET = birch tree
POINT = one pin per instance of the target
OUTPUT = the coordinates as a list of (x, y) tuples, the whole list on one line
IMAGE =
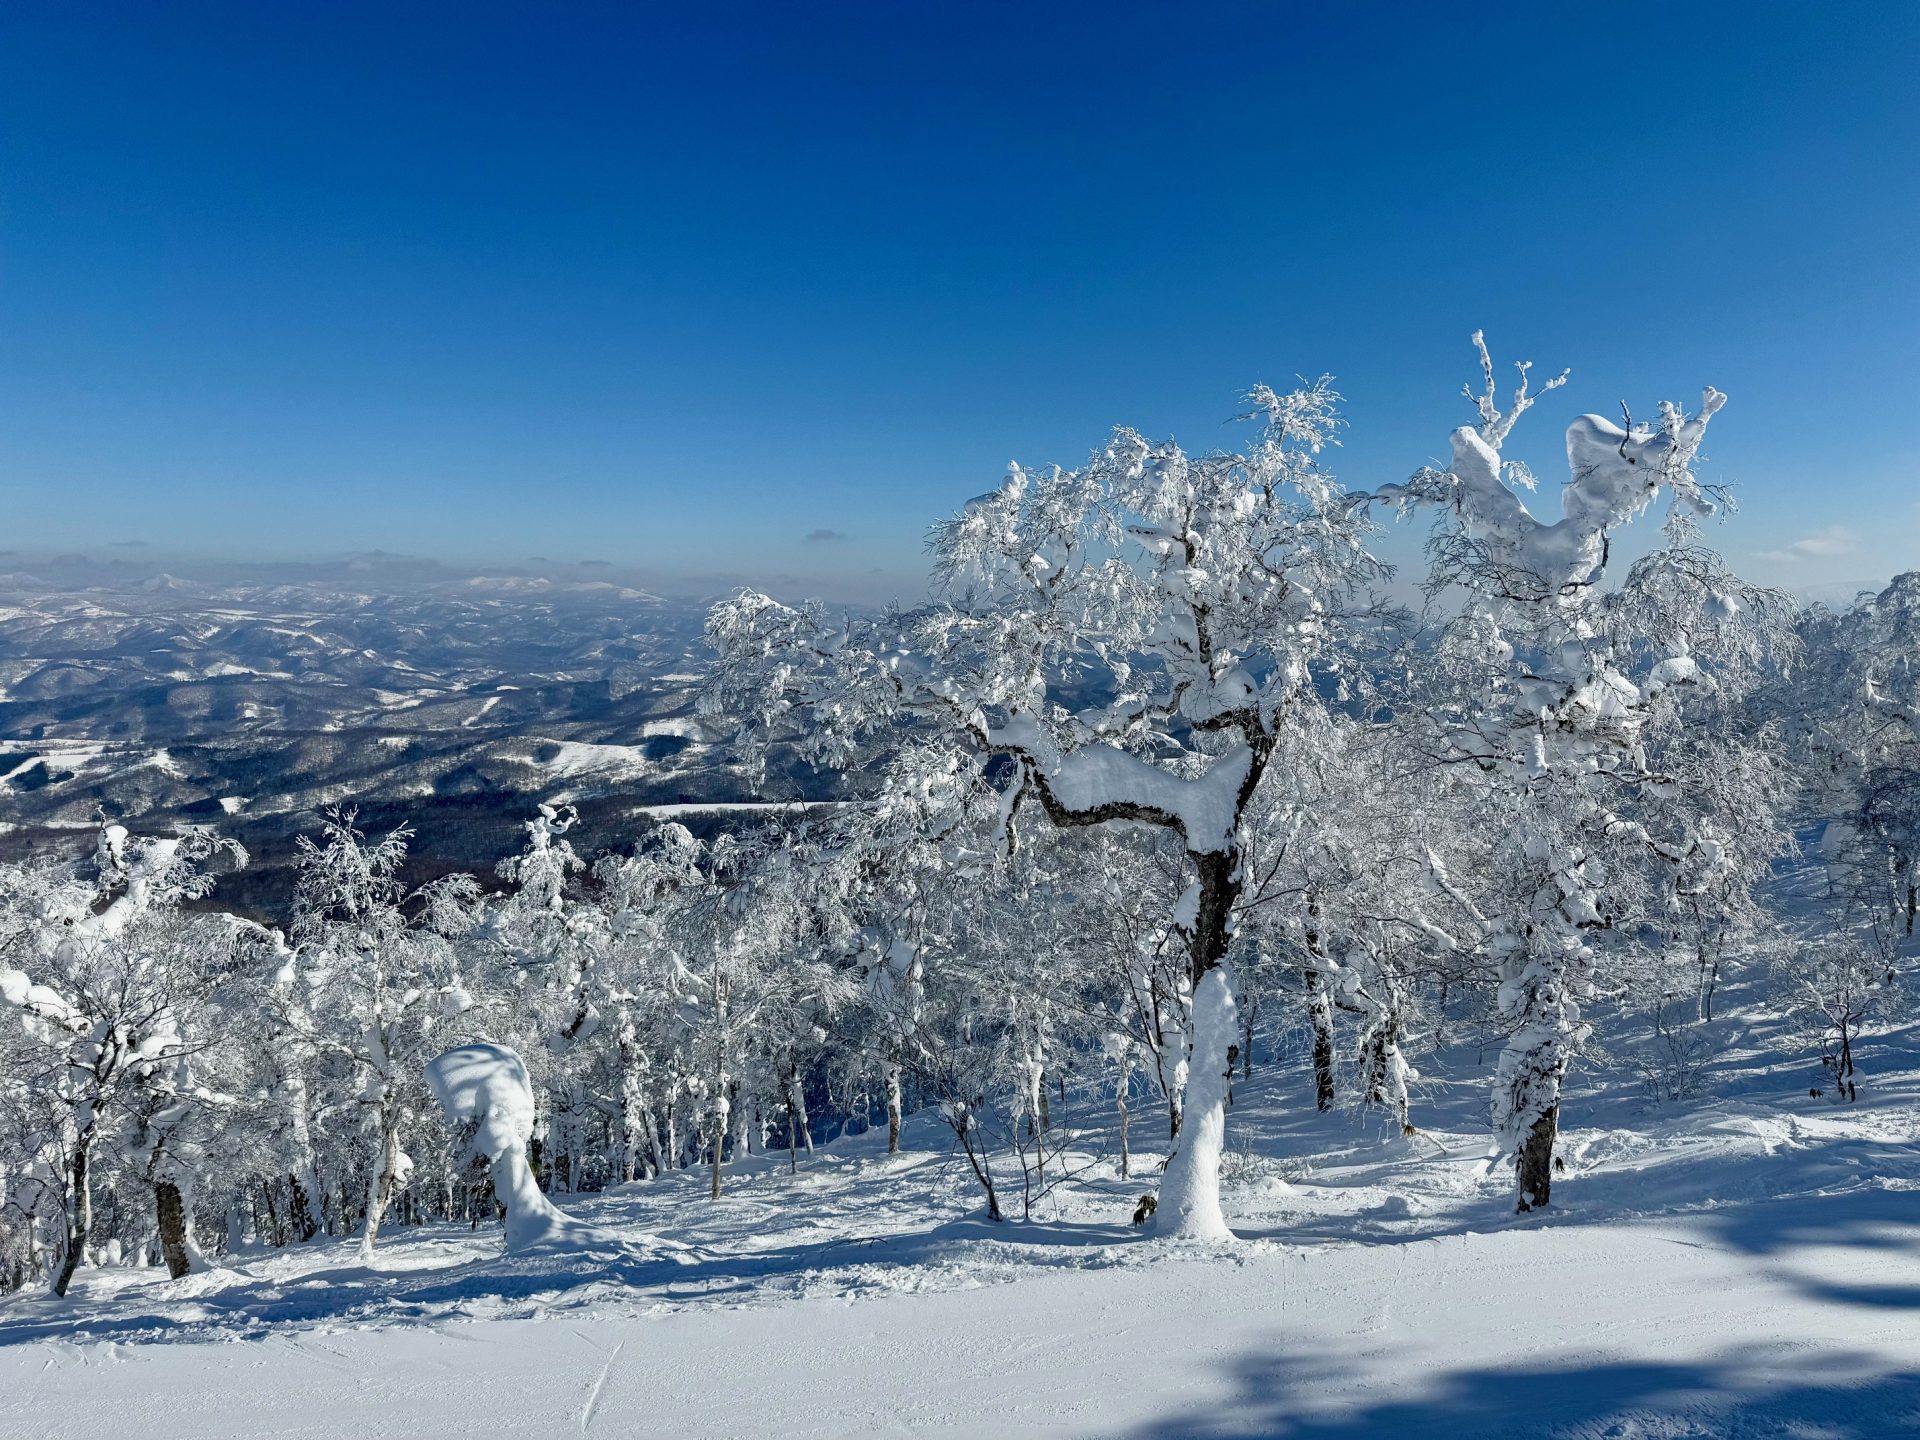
[(1129, 640), (1545, 717)]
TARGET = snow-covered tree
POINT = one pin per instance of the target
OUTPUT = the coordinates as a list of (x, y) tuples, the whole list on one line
[(372, 986), (1130, 640), (1836, 987), (1858, 707), (1542, 718), (110, 988)]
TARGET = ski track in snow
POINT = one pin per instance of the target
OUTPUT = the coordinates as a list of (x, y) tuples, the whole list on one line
[(599, 1384), (1747, 1264)]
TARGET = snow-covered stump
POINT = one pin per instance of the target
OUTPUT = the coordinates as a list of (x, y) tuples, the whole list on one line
[(487, 1084), (1189, 1201)]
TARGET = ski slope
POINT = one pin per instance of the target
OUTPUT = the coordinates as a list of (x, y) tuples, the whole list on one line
[(1743, 1265)]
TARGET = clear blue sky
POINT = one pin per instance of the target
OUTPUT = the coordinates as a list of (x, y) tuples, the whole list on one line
[(679, 286)]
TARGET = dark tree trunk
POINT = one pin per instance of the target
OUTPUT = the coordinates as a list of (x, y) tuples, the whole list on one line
[(1536, 1162), (302, 1223), (1219, 875), (79, 1212), (982, 1163), (1322, 1055), (172, 1213), (1319, 1011)]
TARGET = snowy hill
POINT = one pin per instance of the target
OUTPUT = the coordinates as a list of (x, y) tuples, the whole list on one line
[(1743, 1265), (451, 707)]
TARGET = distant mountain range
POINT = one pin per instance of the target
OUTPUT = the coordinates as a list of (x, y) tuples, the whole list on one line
[(453, 706)]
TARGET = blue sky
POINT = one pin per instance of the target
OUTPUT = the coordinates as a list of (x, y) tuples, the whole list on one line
[(757, 291)]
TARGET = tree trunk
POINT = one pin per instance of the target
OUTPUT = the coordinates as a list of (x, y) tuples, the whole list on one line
[(385, 1180), (1387, 1070), (963, 1129), (1539, 978), (635, 1140), (797, 1106), (273, 1224), (1039, 1150), (79, 1210), (1319, 1012), (1535, 1166), (302, 1223), (172, 1213), (739, 1123), (303, 1201), (1706, 952), (893, 1109), (1189, 1200), (1322, 1014)]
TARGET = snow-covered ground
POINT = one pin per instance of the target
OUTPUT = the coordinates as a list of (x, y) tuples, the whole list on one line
[(1745, 1264)]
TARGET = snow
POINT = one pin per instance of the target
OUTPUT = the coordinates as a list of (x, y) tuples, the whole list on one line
[(679, 809), (165, 763), (1614, 474), (1190, 1198), (1746, 1265), (1278, 1346), (576, 758), (1206, 808), (488, 1085), (75, 757)]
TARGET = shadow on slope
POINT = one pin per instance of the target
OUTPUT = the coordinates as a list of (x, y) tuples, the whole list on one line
[(1755, 1391)]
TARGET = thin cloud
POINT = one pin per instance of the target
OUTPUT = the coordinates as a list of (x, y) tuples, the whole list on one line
[(1827, 544), (825, 537)]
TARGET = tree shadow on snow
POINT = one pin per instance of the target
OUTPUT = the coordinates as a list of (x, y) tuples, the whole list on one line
[(1753, 1391), (1839, 1191), (253, 1307)]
